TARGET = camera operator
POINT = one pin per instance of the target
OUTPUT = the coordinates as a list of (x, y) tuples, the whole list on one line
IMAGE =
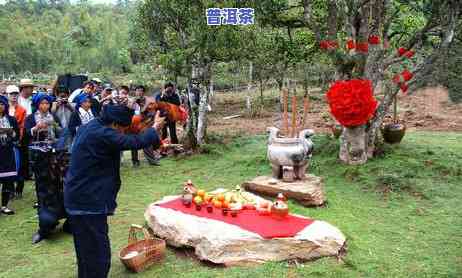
[(61, 108), (107, 96)]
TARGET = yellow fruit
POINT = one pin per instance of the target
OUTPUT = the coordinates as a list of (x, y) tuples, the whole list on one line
[(198, 200)]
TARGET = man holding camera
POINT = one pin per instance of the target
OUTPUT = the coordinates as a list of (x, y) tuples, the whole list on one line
[(61, 108)]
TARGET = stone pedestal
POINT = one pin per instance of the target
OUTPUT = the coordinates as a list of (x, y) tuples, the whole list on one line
[(309, 192), (227, 244)]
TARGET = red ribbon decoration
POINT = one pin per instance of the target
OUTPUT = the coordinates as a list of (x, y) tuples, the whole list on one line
[(324, 44), (362, 47), (397, 79), (409, 54), (401, 51), (350, 44), (328, 45), (407, 75), (404, 87), (374, 39)]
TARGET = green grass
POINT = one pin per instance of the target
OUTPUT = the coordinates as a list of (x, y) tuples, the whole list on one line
[(401, 213)]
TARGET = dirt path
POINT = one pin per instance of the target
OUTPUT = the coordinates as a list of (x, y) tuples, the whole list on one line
[(428, 109)]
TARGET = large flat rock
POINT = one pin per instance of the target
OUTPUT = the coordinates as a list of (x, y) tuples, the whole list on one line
[(227, 244), (309, 192)]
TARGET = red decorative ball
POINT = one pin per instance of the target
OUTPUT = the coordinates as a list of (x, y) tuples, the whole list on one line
[(362, 47), (352, 102), (374, 39), (401, 51)]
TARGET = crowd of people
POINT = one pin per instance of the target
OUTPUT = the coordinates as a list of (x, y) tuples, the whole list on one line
[(38, 130)]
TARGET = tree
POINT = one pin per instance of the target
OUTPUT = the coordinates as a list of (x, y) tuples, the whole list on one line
[(176, 35), (427, 27)]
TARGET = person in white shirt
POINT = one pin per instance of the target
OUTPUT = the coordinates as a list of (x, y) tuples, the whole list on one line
[(26, 87)]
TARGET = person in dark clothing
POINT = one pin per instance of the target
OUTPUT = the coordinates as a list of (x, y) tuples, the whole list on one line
[(83, 113), (89, 88), (9, 166), (169, 95), (93, 182)]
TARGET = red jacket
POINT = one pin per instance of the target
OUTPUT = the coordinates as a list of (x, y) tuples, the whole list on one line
[(20, 115)]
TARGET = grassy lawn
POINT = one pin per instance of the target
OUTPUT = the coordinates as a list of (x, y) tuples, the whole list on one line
[(401, 214)]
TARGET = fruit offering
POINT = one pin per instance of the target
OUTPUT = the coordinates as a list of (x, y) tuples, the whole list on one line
[(280, 209), (198, 200)]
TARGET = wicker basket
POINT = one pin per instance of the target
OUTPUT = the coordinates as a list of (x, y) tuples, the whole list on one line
[(140, 254)]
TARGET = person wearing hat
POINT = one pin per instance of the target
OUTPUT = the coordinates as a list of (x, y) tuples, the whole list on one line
[(26, 87), (88, 88), (19, 114), (93, 182), (82, 115), (41, 127), (9, 164)]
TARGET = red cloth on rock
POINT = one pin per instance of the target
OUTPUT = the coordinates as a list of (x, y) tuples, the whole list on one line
[(264, 225)]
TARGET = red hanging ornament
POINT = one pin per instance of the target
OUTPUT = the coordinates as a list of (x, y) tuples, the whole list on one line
[(362, 47), (350, 44), (404, 87), (397, 79), (352, 102), (374, 39), (407, 75), (409, 54), (401, 51), (324, 44), (333, 44)]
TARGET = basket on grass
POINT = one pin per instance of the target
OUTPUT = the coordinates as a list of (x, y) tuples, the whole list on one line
[(140, 254)]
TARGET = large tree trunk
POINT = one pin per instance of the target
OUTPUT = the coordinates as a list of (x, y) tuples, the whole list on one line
[(189, 139), (204, 70)]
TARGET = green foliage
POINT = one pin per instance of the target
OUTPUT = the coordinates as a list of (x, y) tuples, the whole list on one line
[(56, 36)]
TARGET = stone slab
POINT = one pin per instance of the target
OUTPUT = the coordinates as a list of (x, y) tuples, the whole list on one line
[(223, 243), (309, 192)]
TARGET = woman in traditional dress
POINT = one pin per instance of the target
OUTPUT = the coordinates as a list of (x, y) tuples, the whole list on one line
[(9, 164), (43, 129), (82, 115)]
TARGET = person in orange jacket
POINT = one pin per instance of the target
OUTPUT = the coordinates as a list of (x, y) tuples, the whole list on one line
[(19, 113), (139, 122)]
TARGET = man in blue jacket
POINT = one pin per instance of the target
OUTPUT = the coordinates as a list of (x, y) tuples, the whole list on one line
[(93, 181)]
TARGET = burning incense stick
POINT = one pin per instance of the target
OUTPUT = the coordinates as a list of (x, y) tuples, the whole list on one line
[(285, 119), (305, 112), (294, 116)]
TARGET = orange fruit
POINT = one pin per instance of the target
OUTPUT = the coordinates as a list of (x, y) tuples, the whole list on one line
[(225, 204), (200, 193), (208, 198), (217, 204), (221, 197)]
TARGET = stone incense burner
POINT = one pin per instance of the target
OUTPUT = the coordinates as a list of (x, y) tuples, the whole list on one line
[(289, 157)]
